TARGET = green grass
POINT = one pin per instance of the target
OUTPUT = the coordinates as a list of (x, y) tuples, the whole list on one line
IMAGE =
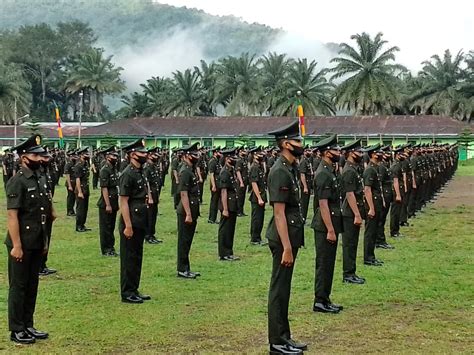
[(421, 301)]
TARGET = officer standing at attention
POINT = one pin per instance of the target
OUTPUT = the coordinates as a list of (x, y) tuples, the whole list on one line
[(188, 209), (306, 178), (7, 166), (70, 182), (228, 205), (108, 201), (258, 197), (133, 221), (28, 205), (242, 174), (214, 170), (175, 161), (285, 235), (152, 174), (81, 172), (375, 204), (353, 211), (327, 224), (398, 192), (386, 179)]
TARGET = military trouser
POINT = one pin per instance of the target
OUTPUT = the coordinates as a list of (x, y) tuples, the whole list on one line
[(304, 204), (152, 211), (201, 190), (106, 230), (49, 229), (131, 257), (324, 270), (176, 199), (381, 239), (371, 229), (95, 180), (256, 224), (350, 241), (23, 281), (411, 207), (404, 210), (226, 234), (70, 201), (395, 212), (82, 207), (241, 199), (185, 240), (213, 206), (279, 295)]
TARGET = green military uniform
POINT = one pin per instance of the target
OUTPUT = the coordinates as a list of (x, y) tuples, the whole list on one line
[(257, 175), (8, 167), (81, 171), (108, 179), (306, 168), (188, 182), (152, 174), (242, 167), (202, 164), (214, 169), (71, 196), (407, 170), (283, 187), (27, 194), (396, 207), (133, 184), (386, 180), (174, 185)]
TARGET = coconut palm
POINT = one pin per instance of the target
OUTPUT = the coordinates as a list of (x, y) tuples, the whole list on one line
[(14, 90), (187, 95), (207, 76), (274, 75), (157, 92), (369, 76)]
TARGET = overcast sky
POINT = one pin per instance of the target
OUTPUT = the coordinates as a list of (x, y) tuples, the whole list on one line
[(419, 27)]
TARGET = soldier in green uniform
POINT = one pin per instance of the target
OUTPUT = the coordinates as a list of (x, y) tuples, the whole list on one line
[(374, 204), (386, 180), (95, 167), (306, 179), (81, 172), (228, 205), (175, 162), (7, 166), (242, 174), (70, 182), (133, 200), (152, 174), (214, 171), (258, 196), (188, 209), (28, 205), (353, 211), (327, 224), (398, 188), (108, 201), (285, 234), (201, 170), (407, 184)]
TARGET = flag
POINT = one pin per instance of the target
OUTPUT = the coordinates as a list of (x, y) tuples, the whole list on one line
[(301, 118), (60, 130)]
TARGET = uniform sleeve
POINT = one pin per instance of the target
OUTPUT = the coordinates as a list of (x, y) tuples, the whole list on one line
[(369, 177), (125, 185), (185, 180), (15, 194), (303, 167), (323, 186), (254, 173), (78, 171), (224, 178), (349, 181), (212, 166), (240, 165), (104, 176), (279, 187)]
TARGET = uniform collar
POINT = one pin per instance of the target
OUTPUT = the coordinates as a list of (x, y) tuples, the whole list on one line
[(27, 172), (326, 165), (286, 162)]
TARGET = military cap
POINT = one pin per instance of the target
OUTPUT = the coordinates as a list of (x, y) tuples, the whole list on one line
[(386, 149), (398, 149), (84, 150), (110, 151), (353, 146), (153, 150), (373, 148), (327, 143), (137, 146), (190, 149), (229, 152), (31, 145), (291, 131), (255, 150), (47, 152)]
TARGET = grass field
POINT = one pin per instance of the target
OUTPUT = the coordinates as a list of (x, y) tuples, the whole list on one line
[(421, 301)]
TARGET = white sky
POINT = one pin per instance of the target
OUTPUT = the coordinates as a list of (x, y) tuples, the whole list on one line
[(420, 28)]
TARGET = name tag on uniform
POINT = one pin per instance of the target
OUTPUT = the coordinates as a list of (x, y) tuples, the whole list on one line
[(31, 189)]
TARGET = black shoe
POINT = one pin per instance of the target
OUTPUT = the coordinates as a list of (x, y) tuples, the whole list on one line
[(112, 253), (132, 299), (324, 308), (37, 334), (338, 307), (47, 271), (144, 297), (71, 214), (255, 242), (195, 273), (240, 215), (353, 280), (294, 344), (81, 229), (360, 278), (397, 235), (156, 241), (379, 261), (234, 257), (186, 275), (388, 246), (211, 222), (226, 258), (372, 263), (22, 337), (405, 224), (284, 349)]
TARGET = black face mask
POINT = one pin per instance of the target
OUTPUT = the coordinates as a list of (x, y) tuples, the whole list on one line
[(141, 160), (401, 158), (33, 165), (357, 158), (297, 151), (232, 162), (44, 164), (334, 158), (113, 161)]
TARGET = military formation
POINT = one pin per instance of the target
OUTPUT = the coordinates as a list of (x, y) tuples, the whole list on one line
[(351, 186)]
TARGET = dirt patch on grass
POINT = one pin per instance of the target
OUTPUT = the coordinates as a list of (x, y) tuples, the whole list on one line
[(458, 192)]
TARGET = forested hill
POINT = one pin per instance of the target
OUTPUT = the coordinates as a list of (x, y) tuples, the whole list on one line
[(119, 23)]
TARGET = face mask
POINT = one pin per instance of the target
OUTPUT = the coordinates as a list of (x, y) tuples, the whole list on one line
[(297, 151), (357, 158), (141, 160), (334, 158), (232, 162), (401, 158), (32, 164), (44, 164), (113, 161)]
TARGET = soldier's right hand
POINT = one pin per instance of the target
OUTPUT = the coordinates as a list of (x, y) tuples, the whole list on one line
[(287, 258), (108, 209), (80, 195), (70, 188), (357, 220), (371, 213), (189, 219), (17, 254), (225, 213), (214, 189), (128, 232)]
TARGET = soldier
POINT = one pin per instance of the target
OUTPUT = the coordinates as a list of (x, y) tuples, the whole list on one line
[(398, 192), (70, 182), (353, 211), (108, 201), (386, 180), (133, 221), (285, 234), (327, 224), (28, 205), (258, 197), (228, 205), (81, 172), (95, 167), (7, 166), (175, 164), (407, 184), (242, 173), (201, 170), (188, 209), (152, 174), (306, 180), (375, 204), (214, 170)]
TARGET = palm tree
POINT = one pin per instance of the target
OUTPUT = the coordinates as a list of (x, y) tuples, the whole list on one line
[(14, 90), (157, 92), (370, 84), (444, 89), (188, 95), (316, 90), (95, 75), (275, 82), (207, 76), (134, 105)]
